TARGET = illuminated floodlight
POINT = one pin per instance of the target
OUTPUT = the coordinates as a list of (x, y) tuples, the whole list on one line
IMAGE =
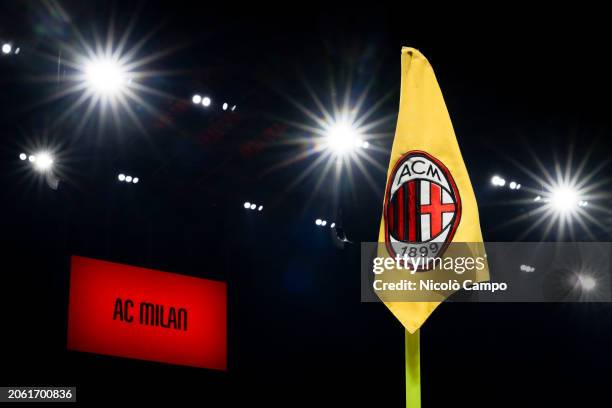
[(247, 205), (564, 198), (121, 177), (17, 50), (318, 221), (587, 282), (518, 186), (6, 48), (328, 134), (253, 206), (512, 185), (32, 158), (342, 137), (333, 225), (233, 108), (498, 181), (225, 106), (23, 156), (527, 268), (323, 223), (135, 180), (105, 76), (128, 179), (43, 161), (196, 99), (562, 211), (260, 208), (206, 101)]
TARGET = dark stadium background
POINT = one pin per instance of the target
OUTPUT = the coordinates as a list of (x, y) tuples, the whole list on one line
[(513, 79)]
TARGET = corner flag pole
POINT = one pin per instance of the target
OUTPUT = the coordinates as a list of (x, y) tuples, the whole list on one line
[(413, 369)]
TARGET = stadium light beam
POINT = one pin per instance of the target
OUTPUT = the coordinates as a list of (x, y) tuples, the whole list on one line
[(43, 162), (561, 198), (253, 206), (127, 178), (342, 137), (328, 137), (586, 282), (498, 181), (564, 199), (105, 76), (527, 268)]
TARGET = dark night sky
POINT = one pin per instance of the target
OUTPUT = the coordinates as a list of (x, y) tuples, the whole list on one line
[(514, 81)]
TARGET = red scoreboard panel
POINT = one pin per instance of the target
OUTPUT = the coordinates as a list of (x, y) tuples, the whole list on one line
[(140, 313)]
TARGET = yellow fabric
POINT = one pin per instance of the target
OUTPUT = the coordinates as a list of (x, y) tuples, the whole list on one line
[(413, 370), (424, 124)]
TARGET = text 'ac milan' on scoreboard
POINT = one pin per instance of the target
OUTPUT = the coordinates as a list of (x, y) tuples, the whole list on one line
[(140, 313)]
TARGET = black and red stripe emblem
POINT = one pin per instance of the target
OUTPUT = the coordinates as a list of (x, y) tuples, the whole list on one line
[(422, 202)]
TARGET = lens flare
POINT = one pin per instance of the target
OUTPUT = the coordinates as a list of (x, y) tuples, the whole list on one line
[(43, 162), (105, 76)]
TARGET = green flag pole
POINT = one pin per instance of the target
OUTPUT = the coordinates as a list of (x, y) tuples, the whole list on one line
[(413, 370)]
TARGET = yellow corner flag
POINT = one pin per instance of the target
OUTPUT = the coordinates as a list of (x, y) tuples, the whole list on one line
[(429, 201)]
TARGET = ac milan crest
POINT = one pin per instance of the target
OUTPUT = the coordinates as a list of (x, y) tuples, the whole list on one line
[(422, 207)]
